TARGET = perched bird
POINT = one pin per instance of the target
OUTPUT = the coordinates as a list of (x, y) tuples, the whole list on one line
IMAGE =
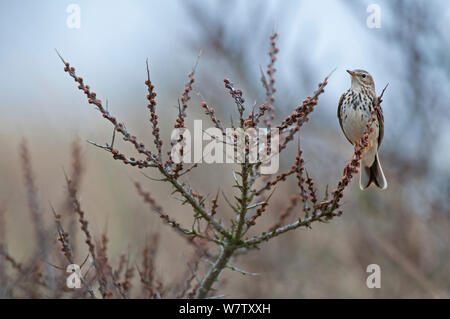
[(354, 111)]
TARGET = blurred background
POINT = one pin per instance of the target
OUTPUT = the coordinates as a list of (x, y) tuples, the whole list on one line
[(405, 229)]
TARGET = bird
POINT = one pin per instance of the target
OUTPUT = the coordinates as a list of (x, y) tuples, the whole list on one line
[(354, 111)]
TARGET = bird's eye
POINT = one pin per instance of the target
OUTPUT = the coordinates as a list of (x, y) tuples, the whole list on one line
[(363, 76)]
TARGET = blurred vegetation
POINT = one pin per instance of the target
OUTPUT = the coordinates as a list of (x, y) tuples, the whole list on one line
[(404, 229)]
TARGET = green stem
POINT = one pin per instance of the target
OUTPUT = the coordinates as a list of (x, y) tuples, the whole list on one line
[(215, 271)]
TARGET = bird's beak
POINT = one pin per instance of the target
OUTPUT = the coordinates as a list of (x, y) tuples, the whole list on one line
[(351, 73)]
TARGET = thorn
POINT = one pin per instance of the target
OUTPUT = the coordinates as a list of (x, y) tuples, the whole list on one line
[(154, 179), (60, 56)]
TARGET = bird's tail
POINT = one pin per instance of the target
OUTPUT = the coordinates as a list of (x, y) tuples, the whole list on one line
[(373, 174)]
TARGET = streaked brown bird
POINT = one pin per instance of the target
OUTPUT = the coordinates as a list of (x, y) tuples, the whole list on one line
[(354, 111)]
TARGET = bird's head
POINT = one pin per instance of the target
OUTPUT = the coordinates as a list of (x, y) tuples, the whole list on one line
[(361, 78)]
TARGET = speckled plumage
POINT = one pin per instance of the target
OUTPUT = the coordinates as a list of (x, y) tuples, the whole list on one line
[(354, 110)]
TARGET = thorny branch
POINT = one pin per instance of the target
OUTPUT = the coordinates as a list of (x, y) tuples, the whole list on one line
[(251, 185)]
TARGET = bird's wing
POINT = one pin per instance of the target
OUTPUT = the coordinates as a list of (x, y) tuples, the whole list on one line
[(380, 118), (339, 116)]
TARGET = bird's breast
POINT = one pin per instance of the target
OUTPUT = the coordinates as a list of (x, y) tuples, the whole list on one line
[(355, 112)]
